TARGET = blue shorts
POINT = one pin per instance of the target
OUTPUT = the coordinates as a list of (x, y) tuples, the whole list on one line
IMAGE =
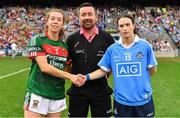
[(146, 110)]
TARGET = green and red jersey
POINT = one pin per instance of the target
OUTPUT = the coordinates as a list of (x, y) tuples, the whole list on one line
[(40, 83)]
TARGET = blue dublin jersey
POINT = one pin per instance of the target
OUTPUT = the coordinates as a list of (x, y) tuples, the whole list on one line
[(130, 65)]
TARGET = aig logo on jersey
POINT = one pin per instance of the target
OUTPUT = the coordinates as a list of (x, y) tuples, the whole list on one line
[(128, 69)]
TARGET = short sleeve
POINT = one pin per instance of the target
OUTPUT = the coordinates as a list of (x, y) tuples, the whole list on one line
[(151, 60), (105, 62)]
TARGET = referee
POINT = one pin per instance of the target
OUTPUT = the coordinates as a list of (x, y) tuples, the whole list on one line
[(86, 48)]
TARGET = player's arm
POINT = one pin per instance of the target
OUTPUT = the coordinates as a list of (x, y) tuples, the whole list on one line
[(36, 52), (152, 63), (51, 70), (152, 70), (96, 74)]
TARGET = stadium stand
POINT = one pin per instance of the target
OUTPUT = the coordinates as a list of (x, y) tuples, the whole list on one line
[(157, 22)]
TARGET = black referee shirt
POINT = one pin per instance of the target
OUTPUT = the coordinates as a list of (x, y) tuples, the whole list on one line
[(85, 57)]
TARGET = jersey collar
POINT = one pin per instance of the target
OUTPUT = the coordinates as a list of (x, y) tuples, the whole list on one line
[(47, 35), (136, 39)]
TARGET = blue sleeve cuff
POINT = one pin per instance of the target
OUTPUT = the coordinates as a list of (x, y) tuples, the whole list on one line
[(88, 77)]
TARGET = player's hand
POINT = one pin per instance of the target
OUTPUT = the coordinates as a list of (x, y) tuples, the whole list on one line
[(82, 78), (79, 80)]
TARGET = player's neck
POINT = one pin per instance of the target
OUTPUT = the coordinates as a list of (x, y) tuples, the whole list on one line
[(128, 40), (53, 36)]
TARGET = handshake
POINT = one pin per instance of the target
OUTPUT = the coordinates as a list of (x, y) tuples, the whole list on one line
[(78, 79)]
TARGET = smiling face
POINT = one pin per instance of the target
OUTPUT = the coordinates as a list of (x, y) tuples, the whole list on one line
[(87, 17), (126, 27), (55, 22)]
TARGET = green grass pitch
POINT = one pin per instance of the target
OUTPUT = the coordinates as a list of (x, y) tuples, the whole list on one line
[(166, 87)]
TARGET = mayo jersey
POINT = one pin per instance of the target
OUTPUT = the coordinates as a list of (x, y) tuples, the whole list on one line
[(40, 83)]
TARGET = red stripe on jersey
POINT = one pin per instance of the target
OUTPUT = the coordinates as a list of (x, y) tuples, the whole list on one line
[(69, 62), (55, 50)]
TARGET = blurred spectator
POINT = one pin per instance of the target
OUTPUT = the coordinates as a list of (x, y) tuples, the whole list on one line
[(19, 24), (13, 49)]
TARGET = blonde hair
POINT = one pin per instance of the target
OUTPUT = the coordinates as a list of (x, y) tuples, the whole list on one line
[(61, 32)]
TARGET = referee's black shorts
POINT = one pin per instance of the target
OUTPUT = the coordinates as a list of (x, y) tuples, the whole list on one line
[(146, 110), (100, 106)]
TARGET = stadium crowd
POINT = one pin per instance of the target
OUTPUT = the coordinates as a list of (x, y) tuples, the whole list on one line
[(158, 24)]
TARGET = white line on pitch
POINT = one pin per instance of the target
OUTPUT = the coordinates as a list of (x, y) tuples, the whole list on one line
[(14, 73)]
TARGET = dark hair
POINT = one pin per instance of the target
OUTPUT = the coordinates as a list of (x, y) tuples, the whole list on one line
[(125, 15), (87, 4)]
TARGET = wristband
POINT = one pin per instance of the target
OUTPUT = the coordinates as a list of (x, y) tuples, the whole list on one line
[(88, 77)]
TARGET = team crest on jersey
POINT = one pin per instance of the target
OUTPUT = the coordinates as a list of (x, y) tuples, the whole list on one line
[(139, 55), (35, 103)]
